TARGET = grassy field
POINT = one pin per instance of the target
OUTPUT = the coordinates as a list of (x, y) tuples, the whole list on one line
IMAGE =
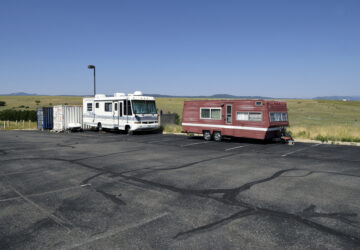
[(28, 102), (311, 119)]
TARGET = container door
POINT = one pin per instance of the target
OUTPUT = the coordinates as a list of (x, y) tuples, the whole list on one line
[(40, 119)]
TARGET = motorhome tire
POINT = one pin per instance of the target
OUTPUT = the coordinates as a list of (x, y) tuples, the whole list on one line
[(207, 135), (99, 127), (127, 130), (217, 136)]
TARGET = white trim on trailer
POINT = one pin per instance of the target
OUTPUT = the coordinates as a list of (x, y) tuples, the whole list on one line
[(230, 127)]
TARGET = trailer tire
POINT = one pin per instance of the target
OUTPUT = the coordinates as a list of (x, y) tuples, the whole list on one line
[(207, 135), (217, 136)]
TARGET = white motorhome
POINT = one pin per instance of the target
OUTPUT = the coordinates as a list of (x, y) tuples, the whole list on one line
[(132, 112)]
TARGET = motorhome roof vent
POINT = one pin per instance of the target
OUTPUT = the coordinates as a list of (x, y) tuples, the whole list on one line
[(98, 96), (119, 94), (138, 93)]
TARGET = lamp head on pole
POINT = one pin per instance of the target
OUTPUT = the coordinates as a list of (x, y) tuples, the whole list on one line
[(91, 67)]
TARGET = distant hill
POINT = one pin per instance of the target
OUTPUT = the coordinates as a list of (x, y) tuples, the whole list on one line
[(348, 98), (18, 94)]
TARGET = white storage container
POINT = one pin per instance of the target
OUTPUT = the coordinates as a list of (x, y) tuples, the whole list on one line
[(67, 117)]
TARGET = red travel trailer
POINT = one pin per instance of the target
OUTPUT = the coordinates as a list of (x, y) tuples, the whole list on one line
[(257, 119)]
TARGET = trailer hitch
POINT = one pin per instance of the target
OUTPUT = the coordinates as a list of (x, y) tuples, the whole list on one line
[(286, 137)]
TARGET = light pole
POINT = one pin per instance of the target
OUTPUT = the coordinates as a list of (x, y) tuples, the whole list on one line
[(93, 67)]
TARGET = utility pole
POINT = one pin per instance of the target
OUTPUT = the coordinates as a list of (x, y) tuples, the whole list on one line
[(93, 67)]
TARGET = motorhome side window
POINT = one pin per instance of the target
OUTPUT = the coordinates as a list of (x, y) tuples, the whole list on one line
[(108, 106), (210, 113), (115, 107), (249, 116), (89, 107), (127, 108), (97, 105)]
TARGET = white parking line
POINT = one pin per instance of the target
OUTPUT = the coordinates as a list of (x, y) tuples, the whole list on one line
[(115, 231), (233, 148), (194, 143), (299, 150), (160, 140), (48, 192)]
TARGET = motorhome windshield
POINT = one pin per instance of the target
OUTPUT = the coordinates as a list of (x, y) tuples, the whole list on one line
[(144, 107)]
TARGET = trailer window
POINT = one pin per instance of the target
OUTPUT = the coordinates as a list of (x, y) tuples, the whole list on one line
[(216, 114), (89, 107), (242, 116), (278, 116), (258, 103), (108, 106), (255, 116), (115, 107), (97, 105), (249, 116), (210, 113), (205, 114)]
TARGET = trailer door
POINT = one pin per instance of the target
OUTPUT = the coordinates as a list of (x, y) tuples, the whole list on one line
[(228, 113)]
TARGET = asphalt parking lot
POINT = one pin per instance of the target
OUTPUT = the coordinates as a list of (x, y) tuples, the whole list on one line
[(112, 191)]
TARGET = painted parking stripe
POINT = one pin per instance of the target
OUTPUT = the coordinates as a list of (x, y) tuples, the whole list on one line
[(186, 145), (233, 148), (161, 140), (299, 150), (116, 231)]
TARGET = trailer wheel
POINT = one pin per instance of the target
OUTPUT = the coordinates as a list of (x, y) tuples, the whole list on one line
[(207, 135), (217, 136), (99, 127)]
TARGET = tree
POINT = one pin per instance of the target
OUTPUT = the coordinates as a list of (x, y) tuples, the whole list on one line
[(37, 102), (2, 103)]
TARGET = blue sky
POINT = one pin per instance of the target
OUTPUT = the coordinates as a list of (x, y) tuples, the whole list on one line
[(181, 47)]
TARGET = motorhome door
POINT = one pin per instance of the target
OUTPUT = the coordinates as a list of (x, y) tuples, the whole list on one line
[(115, 114), (120, 115)]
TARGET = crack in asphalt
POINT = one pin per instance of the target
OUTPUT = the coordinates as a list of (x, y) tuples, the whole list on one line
[(155, 169), (311, 213), (215, 224), (229, 197)]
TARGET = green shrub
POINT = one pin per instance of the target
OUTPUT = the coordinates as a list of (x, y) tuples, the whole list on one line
[(2, 103), (18, 115), (322, 138)]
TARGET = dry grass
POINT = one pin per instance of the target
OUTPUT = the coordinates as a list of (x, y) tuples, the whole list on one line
[(172, 128), (11, 125), (327, 133)]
